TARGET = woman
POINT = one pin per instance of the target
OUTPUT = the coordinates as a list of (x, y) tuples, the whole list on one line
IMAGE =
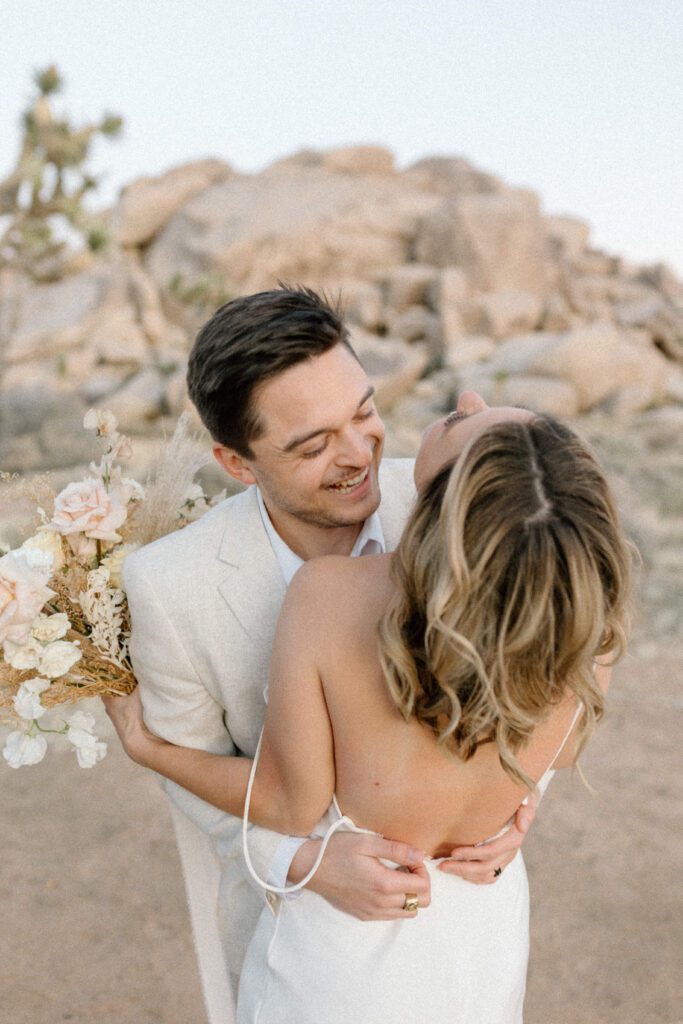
[(430, 692)]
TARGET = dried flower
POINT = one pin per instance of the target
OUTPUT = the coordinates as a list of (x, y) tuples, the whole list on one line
[(61, 602)]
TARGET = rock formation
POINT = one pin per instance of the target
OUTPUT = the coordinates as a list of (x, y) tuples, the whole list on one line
[(450, 279)]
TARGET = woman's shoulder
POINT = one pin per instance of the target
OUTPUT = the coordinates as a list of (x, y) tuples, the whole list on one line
[(338, 586), (340, 570)]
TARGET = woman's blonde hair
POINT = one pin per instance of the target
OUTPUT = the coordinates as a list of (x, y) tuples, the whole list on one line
[(513, 576)]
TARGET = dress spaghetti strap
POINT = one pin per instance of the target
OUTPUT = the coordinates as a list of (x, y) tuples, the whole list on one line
[(575, 718), (280, 890)]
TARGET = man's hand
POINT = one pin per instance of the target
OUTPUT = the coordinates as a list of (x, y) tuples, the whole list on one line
[(126, 716), (479, 864), (352, 878)]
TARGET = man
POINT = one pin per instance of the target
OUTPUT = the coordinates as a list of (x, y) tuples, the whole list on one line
[(291, 411)]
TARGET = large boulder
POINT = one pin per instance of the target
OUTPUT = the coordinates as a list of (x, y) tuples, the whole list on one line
[(519, 353), (117, 338), (359, 160), (504, 313), (542, 393), (139, 403), (453, 175), (392, 365), (148, 203), (363, 304), (41, 424), (599, 360), (450, 296), (498, 239), (293, 223), (569, 235), (658, 316), (49, 319), (469, 349), (409, 285)]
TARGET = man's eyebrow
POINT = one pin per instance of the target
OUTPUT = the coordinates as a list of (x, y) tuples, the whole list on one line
[(302, 438)]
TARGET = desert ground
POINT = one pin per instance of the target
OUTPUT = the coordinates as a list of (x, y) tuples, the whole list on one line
[(94, 921)]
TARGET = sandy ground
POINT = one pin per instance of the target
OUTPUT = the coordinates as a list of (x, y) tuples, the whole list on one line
[(94, 927)]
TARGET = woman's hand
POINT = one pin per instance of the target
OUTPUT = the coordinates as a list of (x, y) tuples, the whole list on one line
[(484, 864), (127, 718)]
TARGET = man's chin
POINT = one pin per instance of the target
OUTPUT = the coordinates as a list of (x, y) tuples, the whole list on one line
[(346, 512)]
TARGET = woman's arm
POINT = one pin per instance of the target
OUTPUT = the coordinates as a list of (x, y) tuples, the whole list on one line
[(297, 750), (295, 776)]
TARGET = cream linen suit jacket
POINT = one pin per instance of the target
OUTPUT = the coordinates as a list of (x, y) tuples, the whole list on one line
[(204, 603)]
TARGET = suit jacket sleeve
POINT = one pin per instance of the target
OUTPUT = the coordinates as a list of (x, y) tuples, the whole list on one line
[(179, 708)]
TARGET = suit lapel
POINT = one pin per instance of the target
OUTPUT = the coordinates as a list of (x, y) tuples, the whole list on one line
[(253, 586)]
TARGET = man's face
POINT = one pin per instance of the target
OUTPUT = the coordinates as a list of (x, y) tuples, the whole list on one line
[(318, 456)]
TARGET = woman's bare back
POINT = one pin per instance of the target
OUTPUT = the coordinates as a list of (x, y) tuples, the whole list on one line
[(391, 776)]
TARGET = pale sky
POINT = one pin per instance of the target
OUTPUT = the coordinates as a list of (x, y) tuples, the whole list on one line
[(580, 100)]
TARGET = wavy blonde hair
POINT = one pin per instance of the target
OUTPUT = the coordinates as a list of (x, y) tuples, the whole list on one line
[(512, 576)]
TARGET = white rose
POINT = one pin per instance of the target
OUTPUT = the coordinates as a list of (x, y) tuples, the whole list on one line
[(27, 698), (47, 628), (50, 542), (23, 591), (114, 562), (21, 749), (57, 658), (87, 509), (89, 750)]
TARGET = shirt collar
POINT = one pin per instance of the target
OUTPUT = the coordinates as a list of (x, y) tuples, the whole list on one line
[(370, 541)]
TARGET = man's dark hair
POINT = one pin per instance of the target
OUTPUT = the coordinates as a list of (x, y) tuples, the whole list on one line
[(247, 342)]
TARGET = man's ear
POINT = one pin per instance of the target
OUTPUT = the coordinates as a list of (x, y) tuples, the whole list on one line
[(234, 464)]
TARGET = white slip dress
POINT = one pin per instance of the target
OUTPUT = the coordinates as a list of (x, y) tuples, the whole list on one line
[(462, 960)]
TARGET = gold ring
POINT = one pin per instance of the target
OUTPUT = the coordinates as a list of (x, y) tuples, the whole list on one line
[(411, 902)]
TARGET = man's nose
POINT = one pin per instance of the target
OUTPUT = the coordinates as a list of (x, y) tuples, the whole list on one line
[(356, 448)]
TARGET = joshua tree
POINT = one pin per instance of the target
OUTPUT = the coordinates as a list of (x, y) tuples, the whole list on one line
[(48, 184)]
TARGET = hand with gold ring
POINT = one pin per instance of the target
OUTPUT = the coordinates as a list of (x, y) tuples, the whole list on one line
[(411, 903)]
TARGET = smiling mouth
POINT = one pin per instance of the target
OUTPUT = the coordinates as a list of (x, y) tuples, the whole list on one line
[(345, 486)]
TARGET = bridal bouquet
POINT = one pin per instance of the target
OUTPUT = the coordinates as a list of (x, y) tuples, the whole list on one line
[(64, 626)]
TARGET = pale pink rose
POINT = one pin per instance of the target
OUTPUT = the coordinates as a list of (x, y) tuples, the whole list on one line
[(23, 592), (89, 510)]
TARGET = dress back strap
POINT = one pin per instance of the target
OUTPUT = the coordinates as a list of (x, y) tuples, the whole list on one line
[(575, 718), (281, 890)]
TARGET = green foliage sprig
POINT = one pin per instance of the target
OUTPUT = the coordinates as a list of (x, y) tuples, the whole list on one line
[(49, 184)]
